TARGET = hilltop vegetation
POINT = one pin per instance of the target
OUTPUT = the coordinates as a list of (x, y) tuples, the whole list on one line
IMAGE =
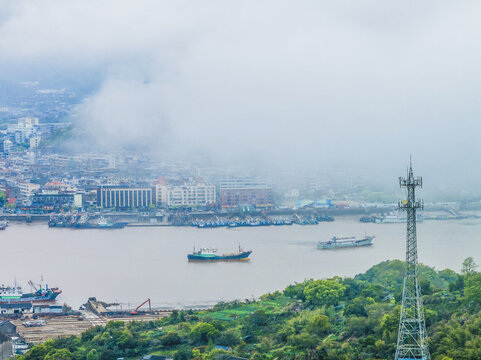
[(352, 318)]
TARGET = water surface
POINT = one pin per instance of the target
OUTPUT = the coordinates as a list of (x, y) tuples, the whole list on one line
[(133, 264)]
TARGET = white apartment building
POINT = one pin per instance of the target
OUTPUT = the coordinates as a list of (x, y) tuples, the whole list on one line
[(27, 188), (35, 142), (185, 195)]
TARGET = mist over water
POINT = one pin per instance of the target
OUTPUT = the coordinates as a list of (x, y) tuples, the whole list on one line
[(269, 85)]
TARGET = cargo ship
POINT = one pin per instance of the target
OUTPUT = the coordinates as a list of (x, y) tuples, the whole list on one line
[(206, 254), (15, 294), (345, 242)]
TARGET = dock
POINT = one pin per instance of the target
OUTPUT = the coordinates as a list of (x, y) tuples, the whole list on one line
[(57, 326)]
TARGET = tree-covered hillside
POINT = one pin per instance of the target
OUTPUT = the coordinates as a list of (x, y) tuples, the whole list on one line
[(352, 318)]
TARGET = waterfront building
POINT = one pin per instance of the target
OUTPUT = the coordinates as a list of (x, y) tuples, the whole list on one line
[(125, 197), (186, 195), (235, 192), (52, 199), (25, 307)]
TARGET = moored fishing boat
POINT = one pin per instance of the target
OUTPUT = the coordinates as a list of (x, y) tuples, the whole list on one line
[(15, 294)]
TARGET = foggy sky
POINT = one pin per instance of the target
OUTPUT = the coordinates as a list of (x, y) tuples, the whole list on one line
[(279, 84)]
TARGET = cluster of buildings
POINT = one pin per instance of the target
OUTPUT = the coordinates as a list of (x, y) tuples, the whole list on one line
[(37, 182), (27, 133), (189, 194), (11, 343)]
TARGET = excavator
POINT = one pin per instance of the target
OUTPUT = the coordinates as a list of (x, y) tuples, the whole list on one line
[(136, 311)]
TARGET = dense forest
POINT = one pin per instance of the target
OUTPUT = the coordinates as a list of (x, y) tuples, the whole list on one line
[(351, 318)]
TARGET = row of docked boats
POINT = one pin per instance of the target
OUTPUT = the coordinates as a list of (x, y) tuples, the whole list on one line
[(83, 221), (390, 218), (216, 222), (249, 221)]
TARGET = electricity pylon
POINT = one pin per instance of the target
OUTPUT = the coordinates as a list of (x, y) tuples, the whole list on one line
[(412, 343)]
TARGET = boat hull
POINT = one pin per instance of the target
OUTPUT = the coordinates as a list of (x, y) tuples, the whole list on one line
[(330, 245), (117, 225), (27, 298), (243, 256)]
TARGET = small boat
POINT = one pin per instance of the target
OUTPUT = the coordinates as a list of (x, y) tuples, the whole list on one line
[(3, 224), (345, 242), (209, 254)]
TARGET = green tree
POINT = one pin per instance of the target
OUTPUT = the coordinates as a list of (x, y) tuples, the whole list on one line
[(319, 325), (258, 318), (229, 337), (469, 266), (93, 355), (203, 333), (356, 307), (375, 291), (472, 290), (59, 354), (303, 341), (183, 353), (324, 292), (108, 354), (170, 339)]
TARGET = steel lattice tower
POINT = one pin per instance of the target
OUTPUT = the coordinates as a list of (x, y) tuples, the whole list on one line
[(412, 337)]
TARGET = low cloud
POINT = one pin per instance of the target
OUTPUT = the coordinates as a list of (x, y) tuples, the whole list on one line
[(285, 84)]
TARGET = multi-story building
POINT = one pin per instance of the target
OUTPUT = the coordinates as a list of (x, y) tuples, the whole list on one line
[(23, 130), (188, 195), (234, 192), (7, 145), (116, 196), (35, 142), (317, 183), (27, 188), (52, 199)]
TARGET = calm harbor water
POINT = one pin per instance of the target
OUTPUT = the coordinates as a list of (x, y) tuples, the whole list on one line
[(133, 264)]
